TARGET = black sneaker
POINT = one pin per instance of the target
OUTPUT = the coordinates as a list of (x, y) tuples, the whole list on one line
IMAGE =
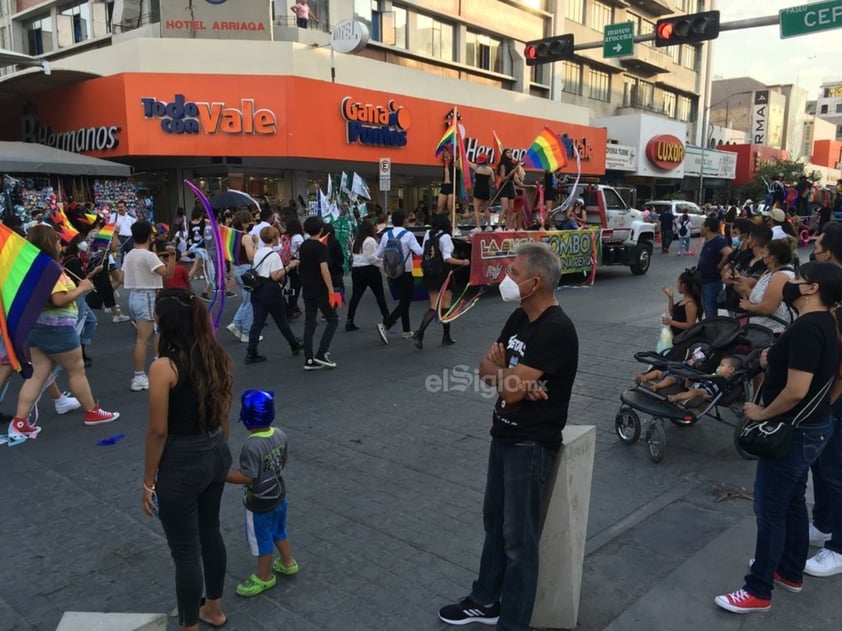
[(296, 350), (325, 360), (467, 612), (310, 364), (255, 359), (350, 326)]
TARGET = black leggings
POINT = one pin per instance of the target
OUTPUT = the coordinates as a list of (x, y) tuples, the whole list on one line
[(403, 286), (367, 277), (191, 477)]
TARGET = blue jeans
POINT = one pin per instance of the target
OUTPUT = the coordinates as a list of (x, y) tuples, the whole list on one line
[(684, 244), (781, 510), (710, 289), (245, 314), (512, 515), (827, 484), (87, 314)]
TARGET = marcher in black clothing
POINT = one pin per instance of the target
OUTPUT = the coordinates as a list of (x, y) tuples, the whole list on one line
[(319, 295)]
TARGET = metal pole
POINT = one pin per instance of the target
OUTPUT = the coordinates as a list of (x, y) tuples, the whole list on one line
[(332, 61)]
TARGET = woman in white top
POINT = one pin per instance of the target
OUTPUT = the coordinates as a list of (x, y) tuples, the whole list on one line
[(436, 263), (268, 299), (365, 273), (766, 297)]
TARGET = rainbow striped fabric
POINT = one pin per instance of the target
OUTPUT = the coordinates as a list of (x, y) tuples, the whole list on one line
[(62, 225), (499, 145), (447, 140), (231, 243), (547, 152), (27, 279), (103, 238)]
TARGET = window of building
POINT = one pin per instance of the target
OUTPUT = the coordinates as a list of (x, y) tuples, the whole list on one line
[(638, 93), (601, 16), (675, 53), (482, 51), (823, 109), (669, 104), (571, 73), (685, 109), (575, 10), (4, 43), (599, 85), (40, 36), (839, 108), (433, 37), (81, 21), (688, 57)]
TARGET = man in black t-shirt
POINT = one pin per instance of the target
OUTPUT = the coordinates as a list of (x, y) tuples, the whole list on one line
[(317, 291), (533, 365)]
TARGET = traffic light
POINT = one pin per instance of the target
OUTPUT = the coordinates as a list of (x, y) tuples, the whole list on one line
[(549, 49), (687, 29)]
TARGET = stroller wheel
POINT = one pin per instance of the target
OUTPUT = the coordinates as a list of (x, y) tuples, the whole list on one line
[(627, 425), (737, 431), (656, 440)]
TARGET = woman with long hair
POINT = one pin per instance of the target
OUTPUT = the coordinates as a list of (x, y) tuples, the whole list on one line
[(241, 324), (437, 245), (365, 273), (687, 311), (187, 456), (53, 341)]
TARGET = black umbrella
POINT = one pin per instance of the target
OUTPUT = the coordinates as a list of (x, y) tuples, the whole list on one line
[(233, 199)]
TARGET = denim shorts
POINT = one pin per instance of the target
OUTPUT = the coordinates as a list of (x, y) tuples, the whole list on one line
[(264, 529), (52, 340), (142, 304)]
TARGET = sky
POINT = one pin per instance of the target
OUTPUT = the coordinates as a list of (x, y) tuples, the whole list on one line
[(760, 53)]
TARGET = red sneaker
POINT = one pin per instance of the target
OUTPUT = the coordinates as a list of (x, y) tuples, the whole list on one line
[(98, 416), (788, 585), (741, 601), (21, 428)]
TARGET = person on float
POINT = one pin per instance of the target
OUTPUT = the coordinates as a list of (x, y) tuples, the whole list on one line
[(444, 201), (482, 190), (506, 187)]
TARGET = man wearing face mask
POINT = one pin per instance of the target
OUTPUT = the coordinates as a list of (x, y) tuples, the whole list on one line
[(532, 365)]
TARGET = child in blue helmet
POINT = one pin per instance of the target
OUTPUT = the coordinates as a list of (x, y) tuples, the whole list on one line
[(262, 461)]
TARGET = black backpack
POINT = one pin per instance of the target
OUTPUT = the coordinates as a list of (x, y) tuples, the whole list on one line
[(251, 281), (432, 263)]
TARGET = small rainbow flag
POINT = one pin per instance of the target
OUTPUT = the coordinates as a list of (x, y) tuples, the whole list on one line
[(103, 238), (499, 144), (447, 139), (27, 279), (547, 152), (62, 225), (231, 243), (88, 218)]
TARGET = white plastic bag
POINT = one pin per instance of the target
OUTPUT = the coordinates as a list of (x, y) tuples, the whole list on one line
[(664, 340)]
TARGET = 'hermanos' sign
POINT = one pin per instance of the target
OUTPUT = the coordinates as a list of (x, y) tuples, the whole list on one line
[(810, 18), (619, 40)]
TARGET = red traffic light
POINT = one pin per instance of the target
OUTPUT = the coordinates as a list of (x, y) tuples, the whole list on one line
[(687, 29), (549, 49), (665, 30), (529, 52)]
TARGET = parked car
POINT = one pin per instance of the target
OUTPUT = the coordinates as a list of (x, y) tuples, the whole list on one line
[(678, 206)]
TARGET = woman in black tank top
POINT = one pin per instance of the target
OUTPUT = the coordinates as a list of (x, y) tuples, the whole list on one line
[(482, 190), (187, 456)]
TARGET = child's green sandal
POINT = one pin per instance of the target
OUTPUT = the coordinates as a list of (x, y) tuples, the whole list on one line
[(280, 568), (254, 585)]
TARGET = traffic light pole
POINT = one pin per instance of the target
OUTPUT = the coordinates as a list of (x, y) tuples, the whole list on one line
[(736, 25)]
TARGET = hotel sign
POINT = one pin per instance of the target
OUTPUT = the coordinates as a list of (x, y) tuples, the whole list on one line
[(216, 19)]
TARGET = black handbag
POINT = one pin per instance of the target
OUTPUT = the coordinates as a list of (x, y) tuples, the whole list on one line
[(772, 439), (250, 279)]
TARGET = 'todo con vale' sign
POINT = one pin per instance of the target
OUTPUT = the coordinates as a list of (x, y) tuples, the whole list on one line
[(665, 151)]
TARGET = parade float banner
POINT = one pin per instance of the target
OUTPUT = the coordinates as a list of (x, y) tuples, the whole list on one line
[(493, 252)]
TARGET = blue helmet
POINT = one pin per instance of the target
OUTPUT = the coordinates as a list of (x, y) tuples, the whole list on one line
[(257, 408)]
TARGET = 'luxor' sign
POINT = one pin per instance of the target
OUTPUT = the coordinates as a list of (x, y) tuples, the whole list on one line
[(665, 151)]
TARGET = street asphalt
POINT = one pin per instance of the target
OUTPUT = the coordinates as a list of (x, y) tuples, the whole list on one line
[(385, 478)]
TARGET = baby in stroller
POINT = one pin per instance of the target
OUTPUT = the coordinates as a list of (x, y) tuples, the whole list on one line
[(707, 388), (697, 355)]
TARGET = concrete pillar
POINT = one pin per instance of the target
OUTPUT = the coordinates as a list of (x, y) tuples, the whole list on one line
[(562, 548)]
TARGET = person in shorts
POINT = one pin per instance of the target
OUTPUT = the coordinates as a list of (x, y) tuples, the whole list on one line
[(143, 274), (262, 461)]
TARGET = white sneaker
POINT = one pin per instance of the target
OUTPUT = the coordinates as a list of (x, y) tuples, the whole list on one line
[(120, 318), (244, 338), (234, 330), (824, 563), (381, 331), (407, 335), (139, 382), (66, 403), (817, 537)]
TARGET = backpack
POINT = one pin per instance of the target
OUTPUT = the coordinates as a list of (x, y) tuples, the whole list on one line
[(394, 261), (286, 250), (432, 263), (682, 229), (250, 279)]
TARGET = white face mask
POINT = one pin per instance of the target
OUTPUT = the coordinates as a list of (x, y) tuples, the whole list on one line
[(510, 290), (83, 246)]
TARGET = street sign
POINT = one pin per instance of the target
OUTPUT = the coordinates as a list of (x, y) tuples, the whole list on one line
[(385, 167), (618, 40), (385, 183), (810, 18)]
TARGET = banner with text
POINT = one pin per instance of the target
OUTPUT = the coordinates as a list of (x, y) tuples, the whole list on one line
[(493, 252), (216, 19)]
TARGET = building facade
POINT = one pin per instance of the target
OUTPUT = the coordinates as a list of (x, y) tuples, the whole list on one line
[(829, 104)]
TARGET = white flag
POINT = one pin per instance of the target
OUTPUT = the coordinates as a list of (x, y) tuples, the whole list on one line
[(343, 182), (324, 207), (329, 186), (358, 187)]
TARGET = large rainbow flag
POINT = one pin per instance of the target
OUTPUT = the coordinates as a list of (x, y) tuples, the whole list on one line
[(547, 152), (232, 241), (103, 238), (27, 279), (447, 139)]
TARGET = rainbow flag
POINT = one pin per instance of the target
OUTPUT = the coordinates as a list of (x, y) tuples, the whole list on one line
[(547, 152), (231, 243), (62, 225), (447, 139), (88, 218), (103, 238), (499, 144), (27, 279)]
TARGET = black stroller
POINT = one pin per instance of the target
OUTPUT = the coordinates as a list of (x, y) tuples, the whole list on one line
[(720, 337)]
